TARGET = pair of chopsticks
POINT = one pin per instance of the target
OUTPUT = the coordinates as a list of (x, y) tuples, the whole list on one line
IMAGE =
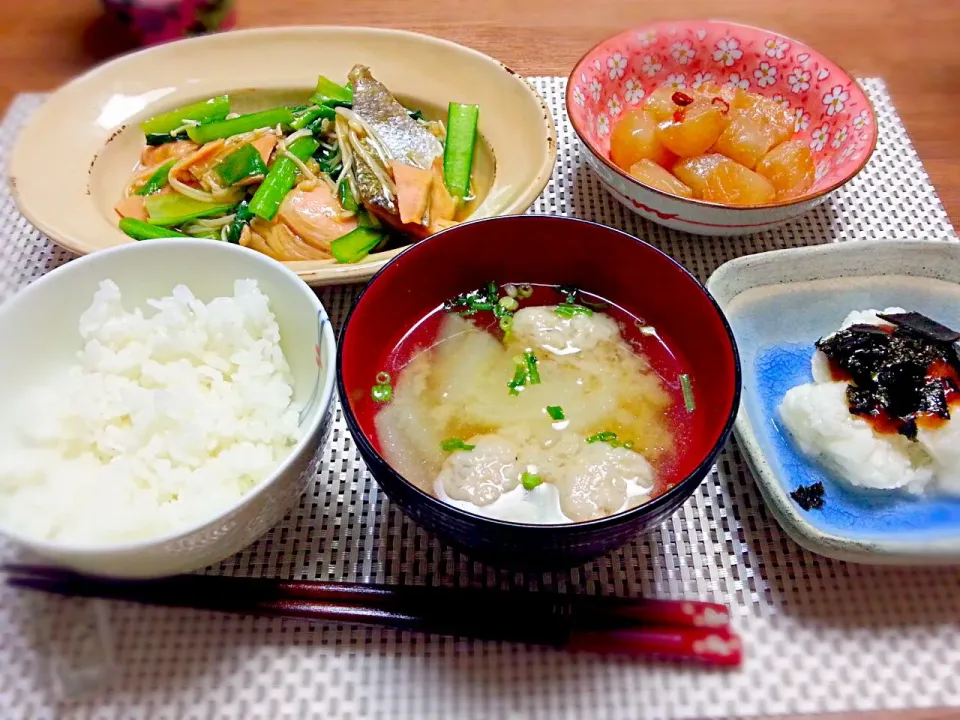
[(669, 629)]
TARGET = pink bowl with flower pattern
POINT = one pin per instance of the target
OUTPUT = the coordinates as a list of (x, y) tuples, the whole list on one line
[(833, 114)]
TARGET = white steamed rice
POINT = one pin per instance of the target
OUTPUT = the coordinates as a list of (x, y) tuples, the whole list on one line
[(164, 420)]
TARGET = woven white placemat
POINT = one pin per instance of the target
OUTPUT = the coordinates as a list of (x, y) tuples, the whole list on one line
[(820, 635)]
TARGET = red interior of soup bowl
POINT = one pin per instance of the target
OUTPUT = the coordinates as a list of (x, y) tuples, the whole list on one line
[(550, 251), (833, 114)]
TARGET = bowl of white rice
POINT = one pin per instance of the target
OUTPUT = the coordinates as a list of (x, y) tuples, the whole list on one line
[(165, 404)]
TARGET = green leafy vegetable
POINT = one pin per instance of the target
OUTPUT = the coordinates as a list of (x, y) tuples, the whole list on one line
[(532, 372), (602, 437), (308, 116), (202, 112), (330, 93), (241, 219), (455, 443), (355, 245), (201, 134), (458, 150), (244, 162), (172, 210), (568, 310), (529, 480), (158, 180), (154, 139), (556, 412), (347, 200), (281, 178), (687, 388), (139, 230)]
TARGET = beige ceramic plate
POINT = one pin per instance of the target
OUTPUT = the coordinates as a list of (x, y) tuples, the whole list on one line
[(73, 160)]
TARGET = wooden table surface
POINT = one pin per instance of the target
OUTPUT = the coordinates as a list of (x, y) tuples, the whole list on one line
[(915, 47)]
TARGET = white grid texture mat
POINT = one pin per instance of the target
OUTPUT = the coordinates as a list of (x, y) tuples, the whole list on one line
[(819, 635)]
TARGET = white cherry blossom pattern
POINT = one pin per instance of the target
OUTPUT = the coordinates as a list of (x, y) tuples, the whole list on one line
[(728, 51), (766, 74), (651, 65), (603, 124), (781, 101), (678, 81), (596, 89), (847, 151), (776, 48), (597, 65), (819, 137), (632, 92), (840, 137), (617, 65), (801, 120), (799, 80), (647, 38), (700, 79), (736, 81), (683, 52), (578, 97), (836, 99), (613, 105), (823, 167), (861, 120)]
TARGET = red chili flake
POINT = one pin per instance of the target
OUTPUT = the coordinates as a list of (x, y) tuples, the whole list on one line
[(722, 104), (681, 99), (678, 116)]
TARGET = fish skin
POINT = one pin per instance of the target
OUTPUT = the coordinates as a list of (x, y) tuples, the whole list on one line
[(369, 189), (405, 139)]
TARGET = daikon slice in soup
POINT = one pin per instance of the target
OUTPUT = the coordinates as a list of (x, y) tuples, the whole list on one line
[(533, 404)]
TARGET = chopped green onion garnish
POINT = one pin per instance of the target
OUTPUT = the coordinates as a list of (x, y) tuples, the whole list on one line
[(455, 443), (382, 392), (485, 298), (568, 310), (506, 323), (532, 372), (628, 445), (519, 379), (530, 481), (524, 291), (602, 437), (570, 291), (556, 412), (687, 393), (508, 303)]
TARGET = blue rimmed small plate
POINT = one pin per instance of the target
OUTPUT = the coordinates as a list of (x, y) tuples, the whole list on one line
[(779, 304)]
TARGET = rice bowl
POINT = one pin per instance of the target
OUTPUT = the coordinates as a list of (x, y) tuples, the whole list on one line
[(45, 317)]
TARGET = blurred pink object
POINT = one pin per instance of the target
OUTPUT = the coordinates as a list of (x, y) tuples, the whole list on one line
[(158, 21)]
